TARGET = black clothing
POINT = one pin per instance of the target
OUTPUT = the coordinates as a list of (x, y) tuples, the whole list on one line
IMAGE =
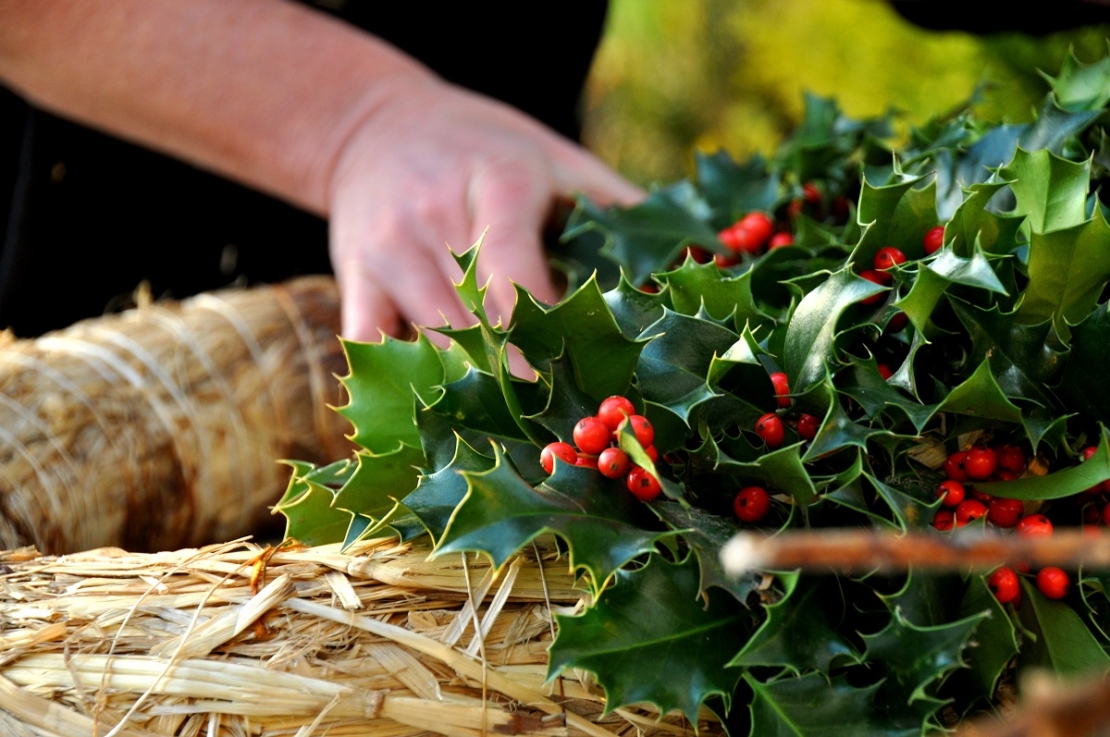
[(85, 217)]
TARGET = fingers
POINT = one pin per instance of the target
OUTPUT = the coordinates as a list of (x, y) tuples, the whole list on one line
[(578, 171), (512, 200)]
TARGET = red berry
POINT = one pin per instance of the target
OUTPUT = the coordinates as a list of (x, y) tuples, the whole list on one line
[(954, 466), (884, 371), (888, 257), (808, 425), (649, 288), (769, 427), (794, 209), (699, 254), (591, 435), (586, 461), (934, 239), (782, 388), (751, 504), (952, 492), (748, 234), (898, 321), (613, 410), (876, 277), (613, 463), (811, 194), (641, 428), (758, 224), (1053, 582), (980, 463), (1004, 585), (969, 509), (944, 520), (1005, 512), (981, 496), (1106, 515), (1010, 458), (642, 484), (563, 451), (778, 240), (725, 261), (651, 452), (1087, 452), (1034, 525), (1004, 475)]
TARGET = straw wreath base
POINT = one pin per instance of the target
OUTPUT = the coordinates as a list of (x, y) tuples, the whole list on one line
[(238, 640)]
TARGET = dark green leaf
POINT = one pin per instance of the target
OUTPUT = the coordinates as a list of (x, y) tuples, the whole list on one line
[(1051, 192), (1067, 482), (974, 223), (310, 517), (654, 621), (935, 277), (995, 638), (780, 469), (1067, 271), (696, 286), (811, 706), (439, 493), (1084, 382), (1062, 643), (379, 480), (980, 396), (706, 534), (733, 190), (476, 402)]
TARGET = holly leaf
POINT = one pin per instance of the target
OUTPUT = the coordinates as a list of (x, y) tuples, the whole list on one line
[(438, 494), (894, 215), (1060, 642), (837, 432), (916, 660), (477, 402), (734, 189), (780, 469), (1084, 384), (582, 328), (634, 310), (1063, 483), (995, 638), (1050, 191), (1022, 357), (648, 236), (1067, 271), (673, 367), (382, 381), (935, 277), (706, 534), (973, 223), (1080, 86), (863, 383), (307, 503), (379, 480), (980, 396), (812, 331), (1054, 126), (811, 706), (912, 511), (958, 169), (653, 620), (695, 287), (596, 516), (799, 633)]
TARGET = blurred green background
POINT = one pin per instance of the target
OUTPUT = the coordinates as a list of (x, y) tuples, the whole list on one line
[(673, 76)]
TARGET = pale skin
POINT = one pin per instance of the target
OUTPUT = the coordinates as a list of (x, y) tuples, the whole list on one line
[(329, 118)]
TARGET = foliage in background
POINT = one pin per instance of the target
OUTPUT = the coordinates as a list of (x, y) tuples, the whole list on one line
[(674, 77)]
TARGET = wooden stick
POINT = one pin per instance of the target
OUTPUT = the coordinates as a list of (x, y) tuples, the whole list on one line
[(860, 551)]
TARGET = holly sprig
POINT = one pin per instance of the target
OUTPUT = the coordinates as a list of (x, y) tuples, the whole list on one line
[(1002, 334)]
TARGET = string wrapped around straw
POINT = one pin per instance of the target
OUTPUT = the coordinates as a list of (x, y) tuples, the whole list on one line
[(159, 428)]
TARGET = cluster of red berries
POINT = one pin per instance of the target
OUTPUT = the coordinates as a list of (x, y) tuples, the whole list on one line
[(596, 441), (750, 235), (961, 504), (770, 426), (889, 257)]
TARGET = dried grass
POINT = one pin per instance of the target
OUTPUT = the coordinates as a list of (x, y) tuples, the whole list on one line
[(240, 641)]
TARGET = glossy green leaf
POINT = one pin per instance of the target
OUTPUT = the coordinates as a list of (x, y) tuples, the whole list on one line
[(694, 287), (811, 706), (307, 503), (1084, 384), (1058, 484), (706, 534), (654, 620), (1060, 642), (1080, 86), (780, 469), (734, 189), (973, 223), (379, 480), (440, 492), (996, 641), (1067, 271), (980, 396), (1050, 191), (935, 277), (476, 402), (896, 215)]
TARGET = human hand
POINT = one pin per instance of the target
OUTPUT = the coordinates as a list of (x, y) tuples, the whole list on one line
[(437, 165)]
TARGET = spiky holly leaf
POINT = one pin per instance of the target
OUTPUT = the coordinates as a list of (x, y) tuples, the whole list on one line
[(694, 287), (800, 630), (863, 383), (1067, 271), (653, 620), (980, 396), (382, 380), (1058, 484), (1061, 642), (476, 402), (935, 277), (812, 331), (896, 215), (913, 510), (581, 328), (959, 168), (780, 469), (1050, 191), (596, 516), (734, 189), (839, 431), (1080, 86), (649, 236), (440, 492), (1053, 127), (811, 706), (995, 639), (307, 504), (1084, 382), (706, 534), (1025, 358), (916, 659), (634, 310), (974, 223), (379, 480), (566, 403), (673, 367)]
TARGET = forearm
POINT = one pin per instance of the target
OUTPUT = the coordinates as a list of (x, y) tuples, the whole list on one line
[(263, 91)]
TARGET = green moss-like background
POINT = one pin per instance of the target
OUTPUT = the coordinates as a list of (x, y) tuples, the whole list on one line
[(673, 76)]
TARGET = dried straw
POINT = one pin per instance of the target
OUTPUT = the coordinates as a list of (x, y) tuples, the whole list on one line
[(159, 427), (238, 640)]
